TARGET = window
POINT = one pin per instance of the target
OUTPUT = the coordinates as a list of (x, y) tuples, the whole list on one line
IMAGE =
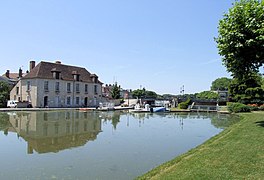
[(46, 86), (77, 88), (69, 101), (17, 90), (57, 75), (76, 77), (86, 88), (77, 100), (95, 89), (28, 86), (57, 87), (68, 87)]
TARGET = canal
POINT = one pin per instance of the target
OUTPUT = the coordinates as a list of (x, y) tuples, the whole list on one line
[(98, 145)]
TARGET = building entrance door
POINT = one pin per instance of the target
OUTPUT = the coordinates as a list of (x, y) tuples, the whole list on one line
[(86, 101), (46, 101)]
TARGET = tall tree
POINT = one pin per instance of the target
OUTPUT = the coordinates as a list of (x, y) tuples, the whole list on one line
[(220, 84), (139, 93), (247, 90), (115, 91), (241, 38), (4, 93)]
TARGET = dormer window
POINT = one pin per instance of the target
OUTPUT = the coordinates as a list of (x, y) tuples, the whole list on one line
[(76, 76), (94, 78), (56, 74)]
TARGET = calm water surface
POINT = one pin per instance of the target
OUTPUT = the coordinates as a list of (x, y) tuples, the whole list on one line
[(98, 145)]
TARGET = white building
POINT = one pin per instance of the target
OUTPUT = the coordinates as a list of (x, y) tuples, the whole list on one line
[(58, 85)]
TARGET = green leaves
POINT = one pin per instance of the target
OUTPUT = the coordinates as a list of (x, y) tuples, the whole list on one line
[(220, 84), (241, 38), (4, 93), (115, 92)]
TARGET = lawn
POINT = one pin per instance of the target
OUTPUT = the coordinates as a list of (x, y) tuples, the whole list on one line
[(236, 153)]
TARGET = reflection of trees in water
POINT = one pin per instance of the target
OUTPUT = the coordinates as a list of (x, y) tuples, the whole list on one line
[(115, 119), (4, 123), (224, 120), (113, 116)]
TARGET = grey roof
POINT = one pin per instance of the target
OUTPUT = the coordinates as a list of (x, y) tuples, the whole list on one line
[(44, 70)]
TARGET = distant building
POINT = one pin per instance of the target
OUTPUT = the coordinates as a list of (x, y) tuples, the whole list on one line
[(12, 78), (4, 79), (58, 85), (107, 91)]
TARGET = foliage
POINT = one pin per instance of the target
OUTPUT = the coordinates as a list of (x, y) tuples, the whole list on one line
[(4, 93), (253, 107), (241, 38), (185, 104), (220, 84), (4, 121), (261, 108), (115, 93), (207, 95), (151, 94), (262, 84), (247, 91), (143, 93), (139, 93), (238, 107)]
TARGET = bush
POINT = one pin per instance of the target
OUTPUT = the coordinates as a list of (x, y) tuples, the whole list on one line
[(238, 107), (185, 104), (261, 108), (253, 107)]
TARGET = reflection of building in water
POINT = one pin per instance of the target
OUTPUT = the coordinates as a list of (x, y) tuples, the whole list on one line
[(55, 131)]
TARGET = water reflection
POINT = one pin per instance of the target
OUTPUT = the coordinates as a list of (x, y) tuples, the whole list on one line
[(55, 131), (218, 120), (103, 145), (47, 131)]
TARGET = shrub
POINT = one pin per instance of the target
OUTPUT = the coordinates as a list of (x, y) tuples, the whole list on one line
[(185, 104), (253, 107), (261, 108), (238, 107)]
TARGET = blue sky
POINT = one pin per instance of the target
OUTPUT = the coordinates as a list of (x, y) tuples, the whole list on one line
[(159, 45)]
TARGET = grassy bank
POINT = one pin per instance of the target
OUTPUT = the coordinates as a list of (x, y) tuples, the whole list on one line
[(236, 153)]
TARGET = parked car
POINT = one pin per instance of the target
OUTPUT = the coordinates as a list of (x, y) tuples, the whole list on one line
[(12, 103)]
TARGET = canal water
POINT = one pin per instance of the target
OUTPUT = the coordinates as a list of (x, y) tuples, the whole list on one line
[(98, 145)]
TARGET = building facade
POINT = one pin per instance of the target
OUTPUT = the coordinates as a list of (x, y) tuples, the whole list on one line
[(58, 85)]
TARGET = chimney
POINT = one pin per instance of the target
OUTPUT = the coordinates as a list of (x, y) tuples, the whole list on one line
[(7, 74), (31, 65), (20, 73)]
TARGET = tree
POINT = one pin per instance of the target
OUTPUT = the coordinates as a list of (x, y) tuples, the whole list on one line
[(247, 90), (151, 94), (207, 95), (115, 91), (220, 84), (4, 93), (241, 38), (139, 93)]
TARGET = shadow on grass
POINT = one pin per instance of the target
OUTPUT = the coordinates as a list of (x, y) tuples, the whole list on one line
[(260, 123)]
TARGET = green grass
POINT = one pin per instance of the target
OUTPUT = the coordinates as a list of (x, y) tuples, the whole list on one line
[(236, 153)]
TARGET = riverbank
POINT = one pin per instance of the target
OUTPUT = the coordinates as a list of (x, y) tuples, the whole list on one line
[(236, 153)]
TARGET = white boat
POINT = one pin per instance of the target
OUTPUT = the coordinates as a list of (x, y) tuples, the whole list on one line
[(146, 108)]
